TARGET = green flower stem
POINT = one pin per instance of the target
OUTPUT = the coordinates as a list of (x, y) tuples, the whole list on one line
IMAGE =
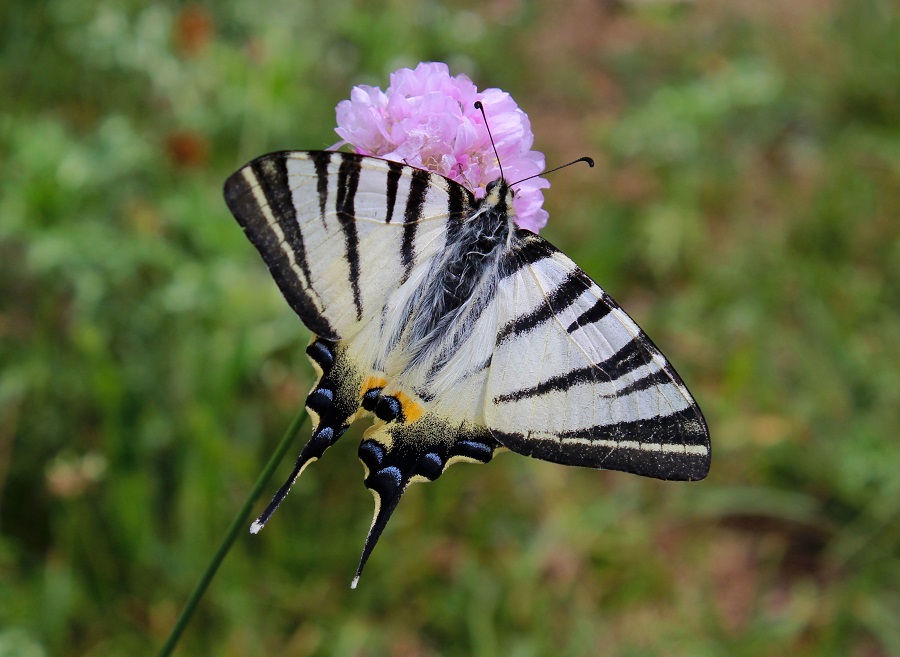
[(239, 522)]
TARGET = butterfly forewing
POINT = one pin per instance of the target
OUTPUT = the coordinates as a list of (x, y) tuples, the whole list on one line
[(574, 380), (341, 232)]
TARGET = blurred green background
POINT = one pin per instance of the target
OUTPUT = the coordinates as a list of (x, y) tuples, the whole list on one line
[(745, 210)]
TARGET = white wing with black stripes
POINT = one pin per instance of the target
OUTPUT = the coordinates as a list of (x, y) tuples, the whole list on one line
[(575, 381), (462, 335)]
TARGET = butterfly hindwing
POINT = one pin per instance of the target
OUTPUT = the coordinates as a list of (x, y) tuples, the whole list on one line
[(575, 381), (333, 404), (409, 444)]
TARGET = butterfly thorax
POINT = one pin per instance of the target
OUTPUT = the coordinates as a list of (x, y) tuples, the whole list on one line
[(462, 280), (469, 254)]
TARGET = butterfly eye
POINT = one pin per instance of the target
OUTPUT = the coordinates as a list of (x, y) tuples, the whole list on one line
[(490, 187)]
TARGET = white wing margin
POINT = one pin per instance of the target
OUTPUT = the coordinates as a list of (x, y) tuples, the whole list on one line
[(340, 232), (574, 380)]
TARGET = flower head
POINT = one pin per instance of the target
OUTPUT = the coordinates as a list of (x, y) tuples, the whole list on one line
[(428, 119)]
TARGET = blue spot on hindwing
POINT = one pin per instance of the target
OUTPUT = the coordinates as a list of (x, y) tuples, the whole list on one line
[(322, 439), (393, 472), (474, 449), (388, 408), (430, 466), (372, 448), (320, 400), (321, 352), (370, 398)]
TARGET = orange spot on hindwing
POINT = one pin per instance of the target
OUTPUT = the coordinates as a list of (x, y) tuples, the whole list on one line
[(412, 410), (373, 381)]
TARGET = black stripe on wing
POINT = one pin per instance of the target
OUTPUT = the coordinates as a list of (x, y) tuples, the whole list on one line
[(393, 180), (588, 374), (630, 357), (459, 203), (596, 312), (320, 160), (348, 180), (415, 202), (260, 198), (526, 249), (563, 296), (671, 447), (655, 379)]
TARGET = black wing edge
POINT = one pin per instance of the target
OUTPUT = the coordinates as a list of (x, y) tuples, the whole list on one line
[(686, 428), (270, 173)]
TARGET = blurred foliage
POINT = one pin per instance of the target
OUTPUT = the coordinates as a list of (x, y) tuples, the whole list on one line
[(746, 213)]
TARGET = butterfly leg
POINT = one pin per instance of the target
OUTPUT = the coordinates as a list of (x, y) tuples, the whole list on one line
[(333, 404)]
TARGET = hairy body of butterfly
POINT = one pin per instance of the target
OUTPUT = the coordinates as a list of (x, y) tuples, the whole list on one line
[(461, 333)]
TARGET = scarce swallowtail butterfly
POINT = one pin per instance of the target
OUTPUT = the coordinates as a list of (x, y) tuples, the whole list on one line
[(461, 333)]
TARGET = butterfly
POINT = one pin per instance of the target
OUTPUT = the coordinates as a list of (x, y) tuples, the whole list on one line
[(461, 334)]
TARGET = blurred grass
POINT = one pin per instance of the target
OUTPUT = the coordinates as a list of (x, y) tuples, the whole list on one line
[(746, 213)]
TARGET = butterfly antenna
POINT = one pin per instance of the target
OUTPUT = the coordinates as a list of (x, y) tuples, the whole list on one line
[(589, 161), (479, 106)]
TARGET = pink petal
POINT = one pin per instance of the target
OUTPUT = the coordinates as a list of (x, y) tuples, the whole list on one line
[(428, 119)]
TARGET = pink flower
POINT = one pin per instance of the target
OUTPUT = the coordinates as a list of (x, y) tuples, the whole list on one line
[(428, 119)]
